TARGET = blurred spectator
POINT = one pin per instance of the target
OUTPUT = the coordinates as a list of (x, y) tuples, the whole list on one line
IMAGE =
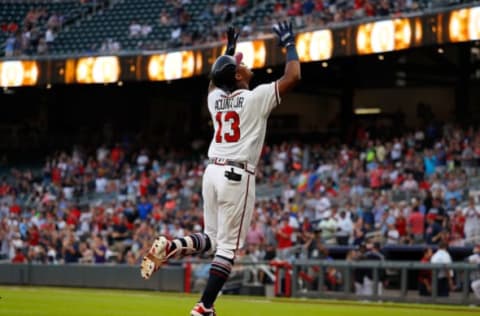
[(433, 231), (329, 226), (393, 236), (425, 275), (416, 223), (134, 29), (99, 250), (283, 237), (472, 221), (445, 276), (255, 235), (309, 180), (71, 249), (19, 256), (345, 228), (475, 276)]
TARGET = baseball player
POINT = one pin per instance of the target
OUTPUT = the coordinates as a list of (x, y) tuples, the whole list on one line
[(239, 117)]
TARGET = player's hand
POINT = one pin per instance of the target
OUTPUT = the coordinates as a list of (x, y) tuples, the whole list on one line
[(232, 37), (285, 33)]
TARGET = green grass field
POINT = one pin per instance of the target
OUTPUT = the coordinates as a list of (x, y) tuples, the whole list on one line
[(42, 301)]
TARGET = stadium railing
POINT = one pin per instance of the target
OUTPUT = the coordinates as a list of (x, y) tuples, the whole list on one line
[(299, 278), (400, 282)]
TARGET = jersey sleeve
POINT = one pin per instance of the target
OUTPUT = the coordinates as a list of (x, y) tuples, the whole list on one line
[(267, 97)]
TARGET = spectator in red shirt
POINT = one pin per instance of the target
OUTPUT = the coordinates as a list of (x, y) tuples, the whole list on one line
[(15, 209), (295, 9), (33, 235), (358, 4), (56, 175), (4, 188), (369, 9), (116, 153), (284, 237), (376, 177), (416, 224), (318, 6), (19, 256), (401, 226), (425, 276), (458, 223)]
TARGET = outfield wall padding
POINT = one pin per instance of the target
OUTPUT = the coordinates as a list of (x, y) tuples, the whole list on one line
[(169, 278)]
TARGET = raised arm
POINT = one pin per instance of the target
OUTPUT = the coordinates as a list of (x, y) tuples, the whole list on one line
[(292, 74), (232, 38)]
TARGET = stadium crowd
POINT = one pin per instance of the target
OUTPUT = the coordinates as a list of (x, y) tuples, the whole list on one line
[(36, 33), (107, 204)]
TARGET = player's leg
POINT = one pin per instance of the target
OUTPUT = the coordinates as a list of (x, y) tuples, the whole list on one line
[(236, 203), (163, 249), (201, 242)]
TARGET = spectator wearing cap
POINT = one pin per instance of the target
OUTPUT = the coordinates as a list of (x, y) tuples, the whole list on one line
[(19, 256), (433, 231), (329, 226), (439, 211)]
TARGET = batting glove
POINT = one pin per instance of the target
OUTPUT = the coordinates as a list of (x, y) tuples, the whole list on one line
[(232, 37), (285, 33)]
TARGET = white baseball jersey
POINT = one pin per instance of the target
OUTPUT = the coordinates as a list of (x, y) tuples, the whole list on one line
[(240, 121)]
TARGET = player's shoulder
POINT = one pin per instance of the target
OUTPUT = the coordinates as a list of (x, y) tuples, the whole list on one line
[(264, 88), (268, 85)]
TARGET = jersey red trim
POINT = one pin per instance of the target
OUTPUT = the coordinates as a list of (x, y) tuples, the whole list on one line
[(243, 213)]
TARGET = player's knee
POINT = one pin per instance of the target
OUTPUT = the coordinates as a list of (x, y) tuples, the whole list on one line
[(226, 253)]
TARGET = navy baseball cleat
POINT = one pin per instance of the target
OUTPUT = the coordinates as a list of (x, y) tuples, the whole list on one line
[(200, 310)]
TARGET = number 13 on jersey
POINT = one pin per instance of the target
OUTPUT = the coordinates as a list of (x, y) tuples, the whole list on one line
[(232, 134)]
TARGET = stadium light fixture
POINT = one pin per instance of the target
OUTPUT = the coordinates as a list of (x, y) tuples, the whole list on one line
[(175, 65), (16, 73), (103, 69), (464, 25), (367, 111), (254, 53), (315, 46), (386, 36)]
